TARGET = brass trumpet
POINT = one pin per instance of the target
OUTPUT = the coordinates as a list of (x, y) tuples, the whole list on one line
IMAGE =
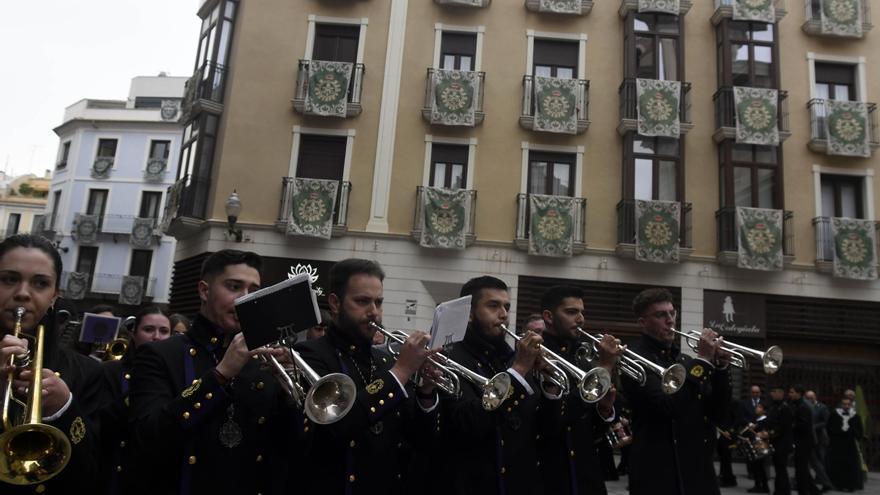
[(494, 390), (30, 452), (633, 365), (771, 359), (592, 385), (113, 350)]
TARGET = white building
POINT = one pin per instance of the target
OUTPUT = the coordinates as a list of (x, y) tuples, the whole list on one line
[(115, 163)]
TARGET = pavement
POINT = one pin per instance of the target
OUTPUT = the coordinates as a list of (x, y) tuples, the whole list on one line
[(739, 469)]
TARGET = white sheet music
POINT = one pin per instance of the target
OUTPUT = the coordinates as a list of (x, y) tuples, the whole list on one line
[(450, 322)]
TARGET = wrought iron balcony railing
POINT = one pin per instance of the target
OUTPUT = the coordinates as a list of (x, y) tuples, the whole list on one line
[(111, 223), (629, 116), (626, 228), (204, 91), (728, 236), (470, 236), (725, 115), (724, 10), (627, 6), (585, 7), (340, 209), (825, 243), (353, 94), (582, 104), (819, 135), (431, 94), (813, 18), (523, 224), (111, 283)]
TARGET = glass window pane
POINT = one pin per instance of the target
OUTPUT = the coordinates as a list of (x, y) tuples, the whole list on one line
[(668, 70), (841, 92), (742, 186), (766, 178), (538, 178), (543, 70), (642, 23), (741, 153), (666, 185), (561, 175), (667, 146), (738, 31), (822, 91), (848, 197), (740, 67), (828, 209), (667, 23), (645, 57), (765, 154), (457, 181), (763, 67), (466, 63), (643, 145), (439, 179), (564, 73), (762, 31), (448, 62), (644, 179)]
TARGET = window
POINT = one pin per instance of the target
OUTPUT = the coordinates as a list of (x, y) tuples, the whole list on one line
[(551, 173), (835, 82), (63, 155), (107, 148), (747, 54), (216, 34), (653, 46), (842, 196), (97, 202), (12, 223), (87, 260), (141, 259), (150, 203), (449, 164), (321, 157), (56, 201), (458, 51), (655, 168), (749, 175), (160, 149), (196, 162), (336, 42), (555, 58)]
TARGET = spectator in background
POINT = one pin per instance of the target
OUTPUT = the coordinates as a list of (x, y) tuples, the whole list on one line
[(534, 323), (820, 436), (844, 460), (179, 323)]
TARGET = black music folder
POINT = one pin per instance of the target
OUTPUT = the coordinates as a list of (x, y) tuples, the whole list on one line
[(277, 311)]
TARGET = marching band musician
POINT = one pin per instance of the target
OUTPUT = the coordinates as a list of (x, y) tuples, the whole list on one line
[(673, 434), (752, 433), (368, 451), (494, 452), (30, 272), (781, 424), (570, 461), (206, 417)]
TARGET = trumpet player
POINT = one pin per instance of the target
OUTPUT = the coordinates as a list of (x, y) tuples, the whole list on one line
[(674, 434), (569, 458), (205, 416), (30, 272), (368, 451)]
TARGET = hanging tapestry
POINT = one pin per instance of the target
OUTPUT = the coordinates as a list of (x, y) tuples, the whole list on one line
[(855, 254), (77, 285), (756, 115), (657, 235), (760, 238), (754, 10), (132, 290), (841, 17), (86, 228), (455, 93), (551, 231), (327, 93), (142, 233), (556, 105), (663, 6), (311, 211), (658, 107), (561, 6), (446, 214), (846, 125)]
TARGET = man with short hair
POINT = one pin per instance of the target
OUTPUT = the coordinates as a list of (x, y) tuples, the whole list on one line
[(534, 323), (673, 434), (820, 435), (803, 441), (780, 420), (206, 417)]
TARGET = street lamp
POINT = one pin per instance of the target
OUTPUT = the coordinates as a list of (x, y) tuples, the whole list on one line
[(233, 210)]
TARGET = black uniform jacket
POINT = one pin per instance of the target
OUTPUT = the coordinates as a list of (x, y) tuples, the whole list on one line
[(780, 421), (115, 442), (569, 458), (367, 451), (495, 452), (78, 423), (674, 434), (192, 435)]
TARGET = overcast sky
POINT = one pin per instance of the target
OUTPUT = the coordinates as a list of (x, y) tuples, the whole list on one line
[(56, 52)]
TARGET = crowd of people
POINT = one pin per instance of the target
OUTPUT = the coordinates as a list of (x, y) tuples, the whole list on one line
[(189, 409)]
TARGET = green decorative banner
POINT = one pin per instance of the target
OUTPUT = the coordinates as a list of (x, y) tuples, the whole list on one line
[(172, 203), (102, 166), (664, 6), (556, 105), (658, 231), (658, 107), (855, 254), (455, 97), (841, 18), (561, 6), (141, 233), (551, 222), (77, 285), (86, 228), (847, 126), (754, 10), (311, 211), (327, 93), (756, 115), (760, 238), (132, 290), (445, 218)]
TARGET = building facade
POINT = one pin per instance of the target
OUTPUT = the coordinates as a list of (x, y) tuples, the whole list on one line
[(723, 151), (115, 163), (22, 201)]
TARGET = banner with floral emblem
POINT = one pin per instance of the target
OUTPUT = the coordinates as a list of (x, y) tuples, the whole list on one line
[(86, 228), (311, 212), (132, 290), (445, 218), (665, 6), (455, 97), (561, 6), (77, 285), (327, 93), (658, 107), (556, 105), (754, 10), (760, 238), (551, 222), (855, 254), (657, 235), (756, 115), (172, 202), (102, 166), (142, 233), (841, 17), (846, 125)]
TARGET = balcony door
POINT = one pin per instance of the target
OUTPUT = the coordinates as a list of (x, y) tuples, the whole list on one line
[(97, 204), (449, 164), (336, 42), (842, 196), (322, 157), (555, 58), (458, 51), (551, 173)]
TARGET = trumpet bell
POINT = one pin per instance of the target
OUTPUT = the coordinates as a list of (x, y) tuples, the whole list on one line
[(772, 359), (495, 391), (32, 453), (595, 385), (673, 378), (330, 398)]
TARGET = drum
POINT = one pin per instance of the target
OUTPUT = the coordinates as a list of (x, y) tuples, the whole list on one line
[(619, 435)]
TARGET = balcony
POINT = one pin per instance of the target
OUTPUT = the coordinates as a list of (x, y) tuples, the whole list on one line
[(629, 116), (581, 101), (728, 238), (577, 7), (523, 225), (435, 118), (627, 6), (724, 10), (471, 213), (725, 115), (108, 283), (464, 3), (813, 23), (340, 209), (204, 91), (44, 225), (626, 229), (352, 97), (102, 166), (818, 134), (825, 244), (112, 224), (157, 169)]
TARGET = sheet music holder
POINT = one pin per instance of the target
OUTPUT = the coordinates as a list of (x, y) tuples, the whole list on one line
[(450, 322), (277, 311), (98, 329)]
